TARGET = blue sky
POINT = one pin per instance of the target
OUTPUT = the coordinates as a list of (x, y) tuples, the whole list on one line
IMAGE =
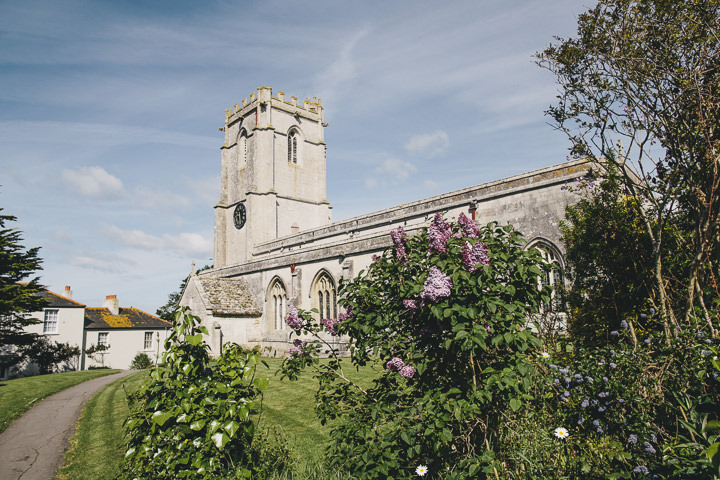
[(109, 115)]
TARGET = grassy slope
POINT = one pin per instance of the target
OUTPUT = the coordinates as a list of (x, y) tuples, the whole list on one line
[(18, 395), (290, 406), (96, 450)]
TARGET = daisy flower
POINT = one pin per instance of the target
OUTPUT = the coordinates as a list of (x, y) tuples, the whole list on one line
[(561, 432), (545, 355), (421, 470)]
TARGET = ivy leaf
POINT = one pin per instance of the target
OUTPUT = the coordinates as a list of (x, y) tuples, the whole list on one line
[(220, 440), (231, 427), (197, 425), (161, 417)]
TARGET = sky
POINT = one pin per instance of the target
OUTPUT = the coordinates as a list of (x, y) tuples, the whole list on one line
[(109, 116)]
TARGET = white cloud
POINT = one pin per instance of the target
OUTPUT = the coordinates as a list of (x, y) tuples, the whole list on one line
[(342, 71), (428, 144), (159, 199), (102, 262), (94, 182), (391, 172), (186, 244)]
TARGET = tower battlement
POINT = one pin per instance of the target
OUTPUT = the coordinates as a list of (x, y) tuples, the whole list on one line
[(264, 95)]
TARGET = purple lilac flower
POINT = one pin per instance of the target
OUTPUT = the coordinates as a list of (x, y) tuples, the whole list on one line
[(330, 325), (624, 324), (398, 237), (439, 233), (706, 352), (410, 304), (469, 226), (579, 378), (641, 469), (436, 286), (585, 403), (349, 312), (556, 381), (614, 333), (566, 394), (567, 380), (474, 256), (407, 371), (649, 448), (298, 348), (632, 439), (564, 370), (395, 364), (553, 367), (292, 318)]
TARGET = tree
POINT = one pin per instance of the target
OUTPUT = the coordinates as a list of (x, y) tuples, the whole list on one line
[(639, 90), (167, 311), (48, 355), (16, 299)]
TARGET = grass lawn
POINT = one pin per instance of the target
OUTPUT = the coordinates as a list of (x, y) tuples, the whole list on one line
[(97, 449), (290, 406), (18, 395)]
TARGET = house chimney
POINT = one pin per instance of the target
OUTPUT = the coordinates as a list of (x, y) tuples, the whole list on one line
[(68, 292), (111, 303)]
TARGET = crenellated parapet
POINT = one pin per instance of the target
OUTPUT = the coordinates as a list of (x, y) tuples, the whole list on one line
[(310, 108)]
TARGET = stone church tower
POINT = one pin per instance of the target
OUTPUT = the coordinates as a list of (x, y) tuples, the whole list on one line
[(273, 178)]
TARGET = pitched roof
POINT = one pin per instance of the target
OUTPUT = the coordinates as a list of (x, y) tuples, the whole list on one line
[(227, 296), (55, 300), (127, 318)]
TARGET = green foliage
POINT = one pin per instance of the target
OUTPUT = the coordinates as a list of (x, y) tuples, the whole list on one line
[(97, 352), (17, 299), (639, 90), (466, 347), (141, 362), (48, 355), (193, 421), (167, 311)]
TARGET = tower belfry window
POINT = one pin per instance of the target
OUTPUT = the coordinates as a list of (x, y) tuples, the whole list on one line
[(293, 147), (242, 148)]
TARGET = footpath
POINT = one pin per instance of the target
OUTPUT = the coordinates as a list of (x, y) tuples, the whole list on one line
[(33, 445)]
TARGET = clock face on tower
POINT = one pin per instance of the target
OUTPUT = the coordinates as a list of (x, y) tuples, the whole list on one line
[(239, 216)]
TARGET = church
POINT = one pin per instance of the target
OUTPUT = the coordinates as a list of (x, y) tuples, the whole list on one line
[(275, 241)]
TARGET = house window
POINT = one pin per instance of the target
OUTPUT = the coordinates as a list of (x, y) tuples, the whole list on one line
[(278, 304), (293, 147), (147, 344), (325, 296), (103, 338), (50, 323)]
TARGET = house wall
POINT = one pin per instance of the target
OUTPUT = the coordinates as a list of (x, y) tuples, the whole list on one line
[(124, 343)]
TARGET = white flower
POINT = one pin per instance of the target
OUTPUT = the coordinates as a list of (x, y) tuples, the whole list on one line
[(421, 470), (545, 355), (561, 432)]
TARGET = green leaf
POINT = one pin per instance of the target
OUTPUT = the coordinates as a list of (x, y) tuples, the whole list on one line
[(261, 383), (405, 438), (220, 439), (161, 417), (194, 339), (231, 427), (197, 425), (515, 404)]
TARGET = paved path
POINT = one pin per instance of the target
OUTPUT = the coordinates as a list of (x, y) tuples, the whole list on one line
[(33, 445)]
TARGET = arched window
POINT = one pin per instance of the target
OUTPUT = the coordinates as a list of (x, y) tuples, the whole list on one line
[(325, 296), (554, 277), (277, 303), (293, 146), (242, 148)]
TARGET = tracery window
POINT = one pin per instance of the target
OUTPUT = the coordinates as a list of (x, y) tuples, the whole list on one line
[(325, 296), (554, 277), (293, 140), (277, 301)]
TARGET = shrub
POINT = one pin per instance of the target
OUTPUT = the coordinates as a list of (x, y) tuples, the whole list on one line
[(141, 362), (193, 421), (444, 315)]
